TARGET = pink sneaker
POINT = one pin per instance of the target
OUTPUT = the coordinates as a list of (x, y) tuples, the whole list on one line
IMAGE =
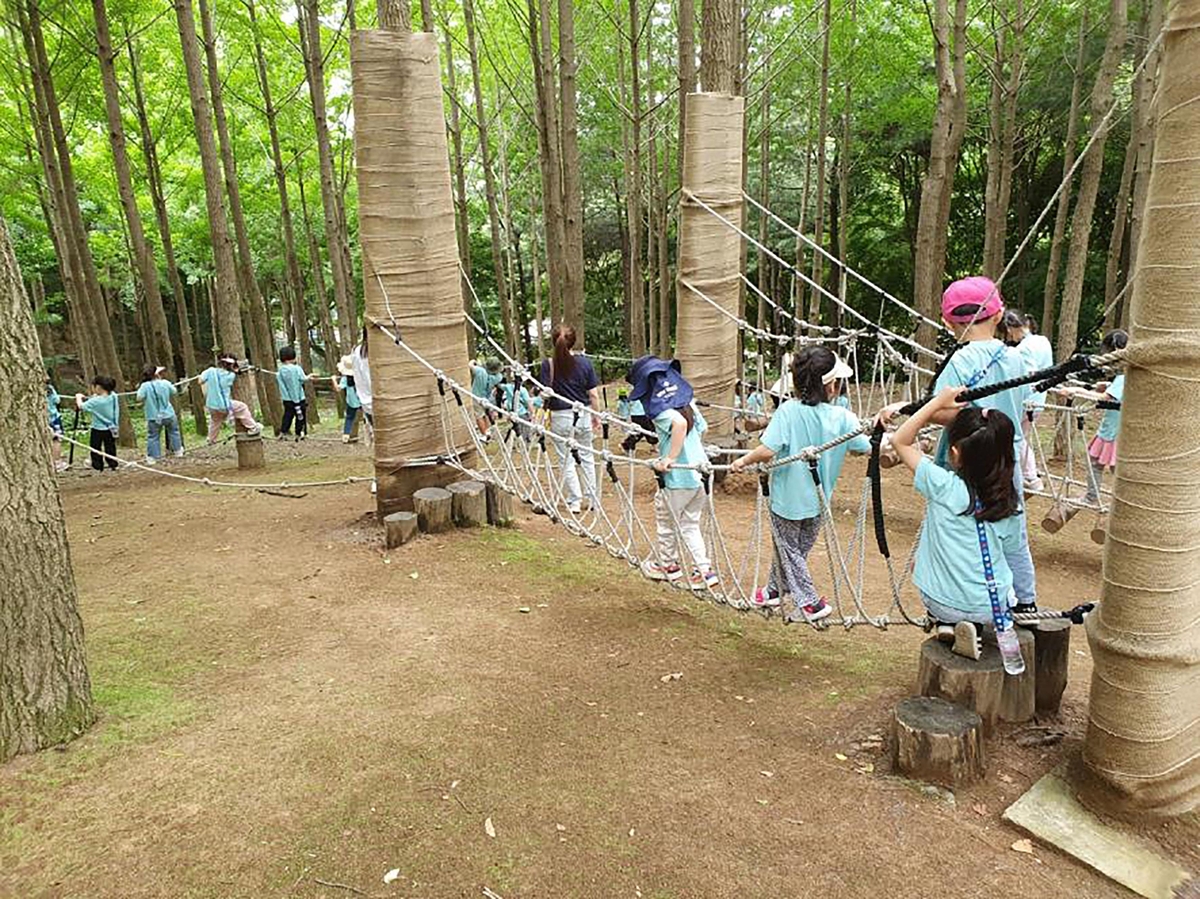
[(765, 598), (703, 580), (810, 613)]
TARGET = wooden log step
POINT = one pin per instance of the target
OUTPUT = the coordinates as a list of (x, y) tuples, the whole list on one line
[(434, 508), (980, 685), (499, 506), (469, 505), (1052, 656), (937, 742), (399, 528)]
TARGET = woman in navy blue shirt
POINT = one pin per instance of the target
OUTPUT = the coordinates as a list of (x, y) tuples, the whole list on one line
[(573, 378)]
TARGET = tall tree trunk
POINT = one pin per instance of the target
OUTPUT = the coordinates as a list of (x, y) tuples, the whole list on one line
[(1002, 110), (844, 166), (298, 324), (797, 283), (462, 219), (224, 285), (147, 268), (105, 348), (719, 24), (665, 287), (159, 200), (392, 14), (538, 311), (549, 151), (261, 341), (686, 16), (633, 190), (937, 188), (1120, 222), (318, 279), (764, 197), (427, 22), (1089, 181), (1144, 123), (489, 179), (572, 190), (1050, 290), (814, 298), (45, 692)]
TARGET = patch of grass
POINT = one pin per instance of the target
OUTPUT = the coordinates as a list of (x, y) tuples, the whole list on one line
[(540, 562)]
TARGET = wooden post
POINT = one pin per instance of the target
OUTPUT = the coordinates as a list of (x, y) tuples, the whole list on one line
[(1052, 655), (499, 506), (250, 451), (469, 503), (399, 528), (434, 507), (982, 685), (937, 742)]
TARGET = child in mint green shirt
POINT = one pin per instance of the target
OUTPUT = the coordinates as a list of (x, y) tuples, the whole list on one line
[(291, 379), (105, 410), (810, 418)]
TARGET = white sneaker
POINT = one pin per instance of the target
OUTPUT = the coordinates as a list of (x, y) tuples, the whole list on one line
[(179, 453), (61, 465), (150, 460), (254, 431), (345, 438)]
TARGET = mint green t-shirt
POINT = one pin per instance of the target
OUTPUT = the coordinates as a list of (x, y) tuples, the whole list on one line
[(691, 454), (1110, 424), (482, 383), (291, 377), (156, 397), (980, 364), (949, 564), (796, 426), (218, 394), (105, 411)]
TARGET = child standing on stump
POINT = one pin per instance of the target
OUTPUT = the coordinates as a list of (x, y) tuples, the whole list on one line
[(973, 522), (105, 409), (679, 502), (812, 417), (291, 379), (217, 383), (155, 392)]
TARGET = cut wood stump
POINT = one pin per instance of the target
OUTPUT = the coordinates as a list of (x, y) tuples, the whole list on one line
[(469, 504), (980, 685), (1052, 655), (399, 528), (250, 451), (499, 506), (937, 742), (434, 508)]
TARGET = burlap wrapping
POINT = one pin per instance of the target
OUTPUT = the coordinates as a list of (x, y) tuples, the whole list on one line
[(710, 252), (406, 229), (1143, 740)]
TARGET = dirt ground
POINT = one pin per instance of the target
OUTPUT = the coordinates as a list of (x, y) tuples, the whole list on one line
[(289, 710)]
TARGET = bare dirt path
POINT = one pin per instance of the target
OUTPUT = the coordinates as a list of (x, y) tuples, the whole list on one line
[(285, 703)]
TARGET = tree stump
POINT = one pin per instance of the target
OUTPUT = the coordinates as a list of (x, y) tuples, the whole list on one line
[(499, 506), (470, 503), (250, 451), (1052, 655), (981, 686), (937, 742), (434, 507), (399, 528)]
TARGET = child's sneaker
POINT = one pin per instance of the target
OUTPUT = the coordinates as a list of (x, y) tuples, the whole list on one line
[(345, 438), (944, 632), (705, 580), (966, 640), (150, 460), (765, 598), (657, 572), (812, 612), (179, 453), (255, 430)]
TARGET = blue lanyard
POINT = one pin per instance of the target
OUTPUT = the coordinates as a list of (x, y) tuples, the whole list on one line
[(982, 373), (999, 616)]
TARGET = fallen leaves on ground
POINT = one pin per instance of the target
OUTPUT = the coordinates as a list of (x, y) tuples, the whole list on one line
[(1025, 846)]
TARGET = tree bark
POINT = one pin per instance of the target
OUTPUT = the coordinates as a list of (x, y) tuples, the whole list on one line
[(633, 190), (686, 16), (462, 221), (1120, 222), (97, 321), (1089, 182), (814, 298), (945, 142), (1002, 126), (393, 14), (224, 285), (1050, 291), (665, 290), (844, 166), (572, 190), (318, 279), (549, 152), (719, 24), (45, 692), (298, 323), (489, 180), (158, 199), (147, 268)]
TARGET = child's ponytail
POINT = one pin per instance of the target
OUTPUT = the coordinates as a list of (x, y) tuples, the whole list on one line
[(983, 443)]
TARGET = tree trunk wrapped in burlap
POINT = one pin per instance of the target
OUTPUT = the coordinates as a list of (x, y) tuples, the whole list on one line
[(709, 256), (1142, 753), (410, 253)]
